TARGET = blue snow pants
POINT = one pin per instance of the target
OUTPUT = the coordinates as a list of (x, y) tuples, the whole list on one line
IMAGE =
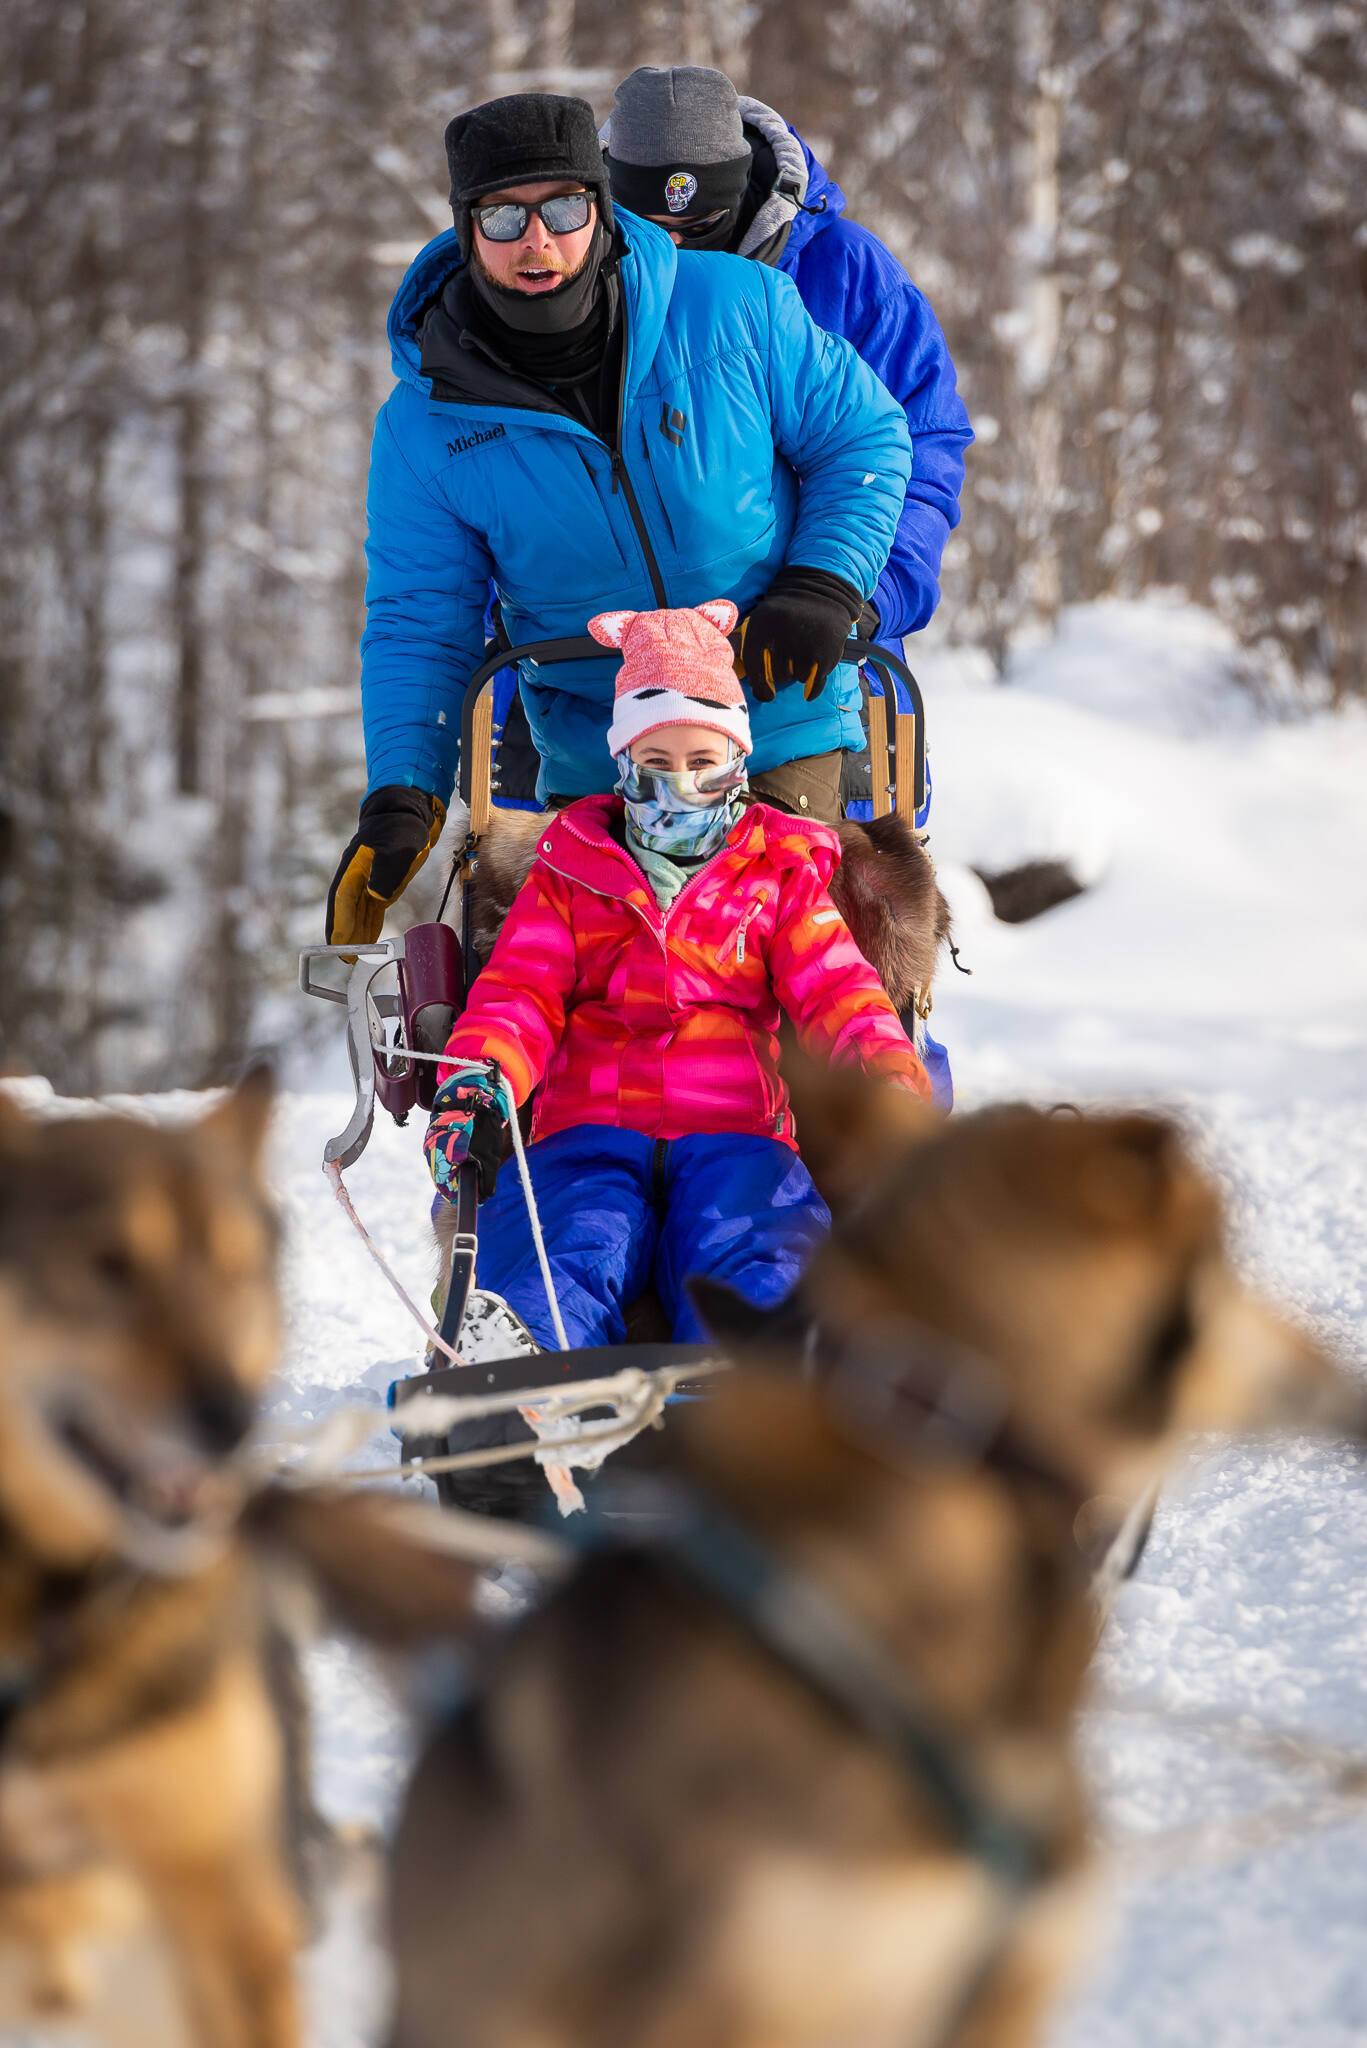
[(619, 1209)]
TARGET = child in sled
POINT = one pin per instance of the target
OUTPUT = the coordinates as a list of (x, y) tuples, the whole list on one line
[(638, 981)]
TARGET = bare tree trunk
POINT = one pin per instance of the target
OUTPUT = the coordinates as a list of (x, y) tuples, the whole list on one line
[(654, 27), (191, 429), (555, 49), (1038, 297), (505, 46)]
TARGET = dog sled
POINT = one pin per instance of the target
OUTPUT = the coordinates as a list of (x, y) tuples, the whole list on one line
[(491, 1405)]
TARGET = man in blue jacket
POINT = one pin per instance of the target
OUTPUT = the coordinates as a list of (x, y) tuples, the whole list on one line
[(594, 420), (725, 173), (721, 172)]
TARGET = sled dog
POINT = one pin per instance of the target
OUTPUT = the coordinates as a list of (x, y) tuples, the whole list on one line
[(151, 1744), (688, 1806)]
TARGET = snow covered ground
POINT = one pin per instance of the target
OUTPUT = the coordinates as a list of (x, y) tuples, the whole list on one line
[(1217, 965)]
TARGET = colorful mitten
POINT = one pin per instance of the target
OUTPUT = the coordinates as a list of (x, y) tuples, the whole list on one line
[(466, 1123)]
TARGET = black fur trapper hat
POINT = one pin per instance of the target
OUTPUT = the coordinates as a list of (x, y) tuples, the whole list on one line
[(520, 140)]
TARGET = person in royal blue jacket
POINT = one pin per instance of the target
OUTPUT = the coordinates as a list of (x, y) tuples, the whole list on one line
[(593, 419), (726, 173)]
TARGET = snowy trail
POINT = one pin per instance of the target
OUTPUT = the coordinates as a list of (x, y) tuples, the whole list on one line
[(1218, 967)]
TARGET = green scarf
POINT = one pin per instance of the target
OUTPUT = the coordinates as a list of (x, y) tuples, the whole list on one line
[(665, 876)]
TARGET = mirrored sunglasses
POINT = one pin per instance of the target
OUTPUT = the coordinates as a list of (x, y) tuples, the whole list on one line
[(563, 215)]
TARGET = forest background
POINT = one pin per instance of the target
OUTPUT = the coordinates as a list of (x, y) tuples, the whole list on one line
[(1141, 223)]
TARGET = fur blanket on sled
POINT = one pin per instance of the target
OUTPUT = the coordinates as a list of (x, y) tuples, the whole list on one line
[(884, 888)]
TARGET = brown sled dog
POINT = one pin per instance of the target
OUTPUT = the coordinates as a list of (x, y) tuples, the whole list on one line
[(680, 1815), (150, 1767)]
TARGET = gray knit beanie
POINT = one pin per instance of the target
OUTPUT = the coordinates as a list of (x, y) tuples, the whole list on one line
[(681, 113), (675, 149)]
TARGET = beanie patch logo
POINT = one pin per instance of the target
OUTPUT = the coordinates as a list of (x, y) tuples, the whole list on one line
[(679, 189)]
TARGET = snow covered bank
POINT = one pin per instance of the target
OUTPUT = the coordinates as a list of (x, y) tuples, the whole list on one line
[(1222, 940)]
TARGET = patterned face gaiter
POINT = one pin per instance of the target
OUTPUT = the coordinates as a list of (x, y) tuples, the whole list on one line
[(683, 812)]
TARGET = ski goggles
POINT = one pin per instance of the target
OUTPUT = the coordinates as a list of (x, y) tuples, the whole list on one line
[(689, 788), (507, 221)]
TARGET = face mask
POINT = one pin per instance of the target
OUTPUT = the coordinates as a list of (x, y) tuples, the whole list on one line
[(685, 811)]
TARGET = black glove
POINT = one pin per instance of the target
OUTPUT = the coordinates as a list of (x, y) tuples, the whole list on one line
[(796, 632), (398, 829), (868, 625)]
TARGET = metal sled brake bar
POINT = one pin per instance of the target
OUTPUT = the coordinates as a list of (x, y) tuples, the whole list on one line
[(901, 746), (367, 962)]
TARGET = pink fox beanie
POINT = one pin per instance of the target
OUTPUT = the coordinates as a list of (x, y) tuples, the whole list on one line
[(677, 669)]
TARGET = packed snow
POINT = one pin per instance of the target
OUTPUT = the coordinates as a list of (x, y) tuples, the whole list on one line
[(1215, 965)]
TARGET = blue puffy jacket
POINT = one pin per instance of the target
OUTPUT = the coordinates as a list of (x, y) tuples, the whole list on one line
[(853, 286), (750, 438)]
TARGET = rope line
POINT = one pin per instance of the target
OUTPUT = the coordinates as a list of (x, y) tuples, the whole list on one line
[(434, 1337), (533, 1217), (638, 1396)]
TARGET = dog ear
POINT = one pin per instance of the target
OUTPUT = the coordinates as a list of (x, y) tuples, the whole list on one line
[(243, 1117), (851, 1130), (764, 1444), (737, 1324), (1124, 1179)]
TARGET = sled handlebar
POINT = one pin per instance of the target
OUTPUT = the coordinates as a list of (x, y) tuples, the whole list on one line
[(895, 742)]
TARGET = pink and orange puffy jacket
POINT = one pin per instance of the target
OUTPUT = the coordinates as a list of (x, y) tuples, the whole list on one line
[(665, 1022)]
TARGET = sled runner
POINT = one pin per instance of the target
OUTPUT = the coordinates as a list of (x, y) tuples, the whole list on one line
[(395, 1039)]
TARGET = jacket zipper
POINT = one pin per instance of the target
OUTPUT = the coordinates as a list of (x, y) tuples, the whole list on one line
[(743, 927), (607, 895), (621, 476), (766, 1094), (663, 926)]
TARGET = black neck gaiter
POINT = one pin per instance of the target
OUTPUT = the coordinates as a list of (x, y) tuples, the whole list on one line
[(558, 338), (546, 313)]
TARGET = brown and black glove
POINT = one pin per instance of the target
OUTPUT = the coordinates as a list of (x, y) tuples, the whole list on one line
[(398, 829), (796, 633)]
